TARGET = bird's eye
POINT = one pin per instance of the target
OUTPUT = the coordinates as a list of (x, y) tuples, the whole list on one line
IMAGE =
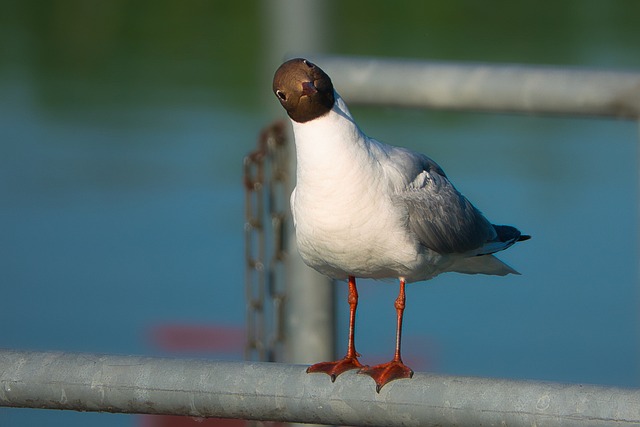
[(281, 95), (307, 63)]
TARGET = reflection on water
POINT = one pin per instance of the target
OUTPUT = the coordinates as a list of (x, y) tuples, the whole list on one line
[(124, 127)]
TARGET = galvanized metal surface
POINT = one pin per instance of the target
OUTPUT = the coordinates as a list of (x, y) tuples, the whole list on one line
[(269, 391), (484, 87), (310, 312)]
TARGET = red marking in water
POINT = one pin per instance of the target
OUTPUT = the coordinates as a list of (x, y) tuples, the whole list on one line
[(180, 421), (198, 338)]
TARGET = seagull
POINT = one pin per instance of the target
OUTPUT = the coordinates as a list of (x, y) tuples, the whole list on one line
[(365, 209)]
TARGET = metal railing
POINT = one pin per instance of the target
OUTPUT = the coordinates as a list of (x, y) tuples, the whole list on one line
[(484, 87), (277, 392)]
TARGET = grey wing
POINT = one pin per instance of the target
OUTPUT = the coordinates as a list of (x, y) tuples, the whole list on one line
[(443, 219)]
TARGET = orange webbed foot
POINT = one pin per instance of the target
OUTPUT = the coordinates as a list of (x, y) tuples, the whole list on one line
[(333, 369), (386, 372)]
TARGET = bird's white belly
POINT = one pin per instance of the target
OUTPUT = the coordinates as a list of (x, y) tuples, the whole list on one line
[(356, 234)]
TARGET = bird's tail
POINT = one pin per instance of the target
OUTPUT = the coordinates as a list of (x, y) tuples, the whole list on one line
[(482, 264), (506, 236)]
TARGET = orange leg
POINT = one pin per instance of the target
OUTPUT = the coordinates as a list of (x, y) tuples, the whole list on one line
[(394, 369), (350, 360)]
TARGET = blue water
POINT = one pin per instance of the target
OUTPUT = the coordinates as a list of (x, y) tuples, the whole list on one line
[(138, 222)]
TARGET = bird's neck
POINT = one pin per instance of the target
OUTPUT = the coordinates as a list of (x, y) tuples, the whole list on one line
[(330, 142)]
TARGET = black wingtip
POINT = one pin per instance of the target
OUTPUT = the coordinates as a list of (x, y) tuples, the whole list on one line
[(509, 234)]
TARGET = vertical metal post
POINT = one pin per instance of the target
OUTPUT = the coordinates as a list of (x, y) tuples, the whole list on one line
[(310, 318), (300, 26)]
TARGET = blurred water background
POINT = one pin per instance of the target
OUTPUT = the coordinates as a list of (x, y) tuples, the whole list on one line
[(123, 127)]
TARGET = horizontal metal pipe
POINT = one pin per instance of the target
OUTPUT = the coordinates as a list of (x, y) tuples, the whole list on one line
[(484, 87), (269, 391)]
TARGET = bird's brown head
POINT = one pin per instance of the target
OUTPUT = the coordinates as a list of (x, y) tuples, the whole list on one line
[(303, 89)]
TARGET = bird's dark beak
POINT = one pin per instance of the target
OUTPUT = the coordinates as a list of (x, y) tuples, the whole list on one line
[(308, 88)]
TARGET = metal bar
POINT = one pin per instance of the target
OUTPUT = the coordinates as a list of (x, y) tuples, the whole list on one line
[(270, 391), (310, 312), (310, 304), (484, 87)]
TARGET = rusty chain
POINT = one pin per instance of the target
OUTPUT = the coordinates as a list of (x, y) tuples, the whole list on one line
[(266, 181)]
